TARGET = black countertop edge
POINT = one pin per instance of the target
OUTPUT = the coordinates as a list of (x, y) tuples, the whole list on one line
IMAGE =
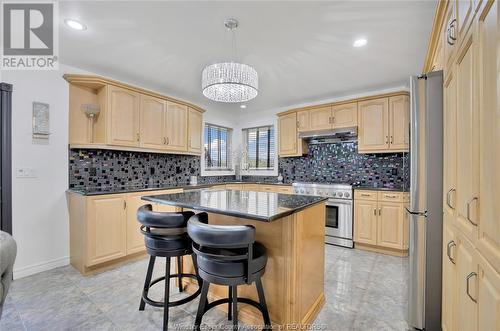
[(389, 189), (123, 190), (234, 213)]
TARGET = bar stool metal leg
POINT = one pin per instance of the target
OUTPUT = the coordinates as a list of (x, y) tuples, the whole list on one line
[(167, 294), (179, 271), (262, 301), (235, 307), (230, 296), (149, 274), (202, 305)]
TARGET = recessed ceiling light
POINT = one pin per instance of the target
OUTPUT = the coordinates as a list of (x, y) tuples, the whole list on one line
[(74, 24), (243, 106), (360, 42)]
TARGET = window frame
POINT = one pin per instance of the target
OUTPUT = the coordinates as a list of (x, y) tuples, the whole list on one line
[(273, 151), (229, 154)]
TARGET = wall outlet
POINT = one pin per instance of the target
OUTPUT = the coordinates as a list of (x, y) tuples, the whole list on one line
[(26, 173)]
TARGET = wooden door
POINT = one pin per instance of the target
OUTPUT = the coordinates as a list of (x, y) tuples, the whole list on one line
[(466, 263), (135, 239), (365, 222), (467, 140), (321, 118), (450, 145), (345, 116), (153, 112), (449, 290), (303, 121), (488, 297), (373, 125), (390, 225), (106, 228), (489, 130), (399, 123), (287, 125), (176, 126), (195, 130), (123, 117)]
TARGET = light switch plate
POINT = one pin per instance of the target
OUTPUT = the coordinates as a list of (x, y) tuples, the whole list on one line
[(26, 173)]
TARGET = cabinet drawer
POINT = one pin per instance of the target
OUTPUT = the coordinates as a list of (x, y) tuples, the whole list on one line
[(390, 196), (365, 195)]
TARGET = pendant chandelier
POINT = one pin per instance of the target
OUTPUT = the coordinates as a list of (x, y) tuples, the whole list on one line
[(230, 81)]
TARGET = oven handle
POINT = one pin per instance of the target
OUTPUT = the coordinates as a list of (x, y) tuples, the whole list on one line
[(334, 202)]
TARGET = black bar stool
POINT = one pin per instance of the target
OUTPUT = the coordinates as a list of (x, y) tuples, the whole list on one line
[(230, 256), (165, 235)]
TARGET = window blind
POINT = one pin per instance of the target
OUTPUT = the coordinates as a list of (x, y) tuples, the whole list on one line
[(260, 147), (217, 147)]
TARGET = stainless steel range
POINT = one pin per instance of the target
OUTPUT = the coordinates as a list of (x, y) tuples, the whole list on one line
[(338, 210)]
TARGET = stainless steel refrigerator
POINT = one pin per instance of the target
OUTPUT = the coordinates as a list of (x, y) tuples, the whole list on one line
[(426, 207)]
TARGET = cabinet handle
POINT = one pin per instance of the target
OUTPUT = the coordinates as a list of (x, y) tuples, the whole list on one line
[(333, 119), (138, 136), (365, 194), (386, 139), (164, 140), (392, 139), (390, 196), (450, 32), (375, 211), (124, 204), (469, 276), (379, 211), (448, 198), (448, 250), (168, 141), (468, 210)]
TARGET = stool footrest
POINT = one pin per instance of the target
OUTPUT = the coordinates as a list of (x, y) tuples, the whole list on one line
[(242, 300), (172, 303)]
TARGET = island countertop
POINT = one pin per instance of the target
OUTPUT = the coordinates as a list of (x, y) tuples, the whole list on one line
[(261, 206)]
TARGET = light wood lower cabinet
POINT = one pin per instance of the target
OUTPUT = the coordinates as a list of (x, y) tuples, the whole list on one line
[(450, 274), (104, 228), (380, 221)]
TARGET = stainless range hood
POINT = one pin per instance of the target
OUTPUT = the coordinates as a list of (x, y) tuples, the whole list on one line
[(330, 136)]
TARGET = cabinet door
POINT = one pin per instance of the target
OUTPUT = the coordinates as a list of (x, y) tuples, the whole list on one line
[(195, 129), (467, 140), (106, 231), (390, 225), (287, 134), (466, 263), (123, 117), (365, 222), (321, 118), (153, 111), (373, 122), (465, 10), (176, 126), (399, 123), (450, 144), (303, 121), (135, 239), (489, 139), (489, 297), (449, 291), (345, 116)]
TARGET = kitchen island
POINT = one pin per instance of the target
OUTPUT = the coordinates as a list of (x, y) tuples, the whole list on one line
[(291, 227)]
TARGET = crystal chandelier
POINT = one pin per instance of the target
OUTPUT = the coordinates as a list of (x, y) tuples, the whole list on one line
[(230, 81)]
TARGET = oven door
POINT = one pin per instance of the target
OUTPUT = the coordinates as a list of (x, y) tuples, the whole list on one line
[(339, 218)]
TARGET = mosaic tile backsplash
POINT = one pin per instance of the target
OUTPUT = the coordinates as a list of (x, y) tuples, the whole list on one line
[(106, 168), (341, 163)]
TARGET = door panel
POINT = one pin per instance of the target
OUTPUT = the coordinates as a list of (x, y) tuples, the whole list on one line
[(365, 222), (399, 123), (303, 121), (135, 239), (345, 116), (287, 134), (321, 118), (195, 129), (123, 117), (152, 122), (176, 126), (390, 225), (373, 120)]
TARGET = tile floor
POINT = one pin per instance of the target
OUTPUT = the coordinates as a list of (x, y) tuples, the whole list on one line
[(364, 291)]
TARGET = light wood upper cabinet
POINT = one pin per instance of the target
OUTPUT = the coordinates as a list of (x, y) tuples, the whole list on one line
[(123, 117), (450, 35), (390, 225), (288, 143), (467, 141), (373, 119), (489, 134), (399, 123), (365, 222), (345, 115), (195, 130), (303, 121), (321, 118), (106, 226), (153, 112), (176, 126)]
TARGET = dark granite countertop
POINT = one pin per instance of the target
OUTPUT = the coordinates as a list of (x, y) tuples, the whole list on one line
[(261, 206), (380, 188), (130, 189)]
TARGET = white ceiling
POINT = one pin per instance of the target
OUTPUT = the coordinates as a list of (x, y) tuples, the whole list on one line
[(302, 50)]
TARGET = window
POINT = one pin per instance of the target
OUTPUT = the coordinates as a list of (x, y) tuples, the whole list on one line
[(260, 147), (217, 147)]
